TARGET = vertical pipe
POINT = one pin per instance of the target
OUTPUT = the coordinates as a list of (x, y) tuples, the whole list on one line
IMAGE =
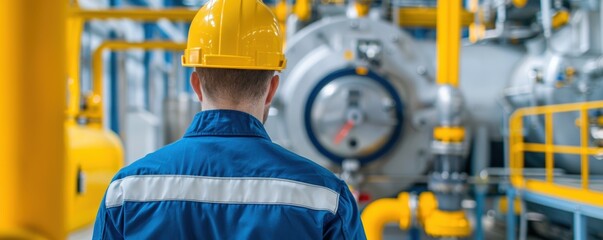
[(32, 105), (120, 81), (523, 221), (510, 215), (481, 154), (580, 230), (545, 8), (600, 25), (113, 95), (442, 40), (448, 41), (480, 199), (148, 34)]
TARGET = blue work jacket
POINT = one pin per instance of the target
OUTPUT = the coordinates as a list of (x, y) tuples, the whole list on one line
[(225, 179)]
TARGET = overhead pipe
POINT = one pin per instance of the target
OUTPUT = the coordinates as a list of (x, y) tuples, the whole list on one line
[(95, 111), (425, 17), (76, 17)]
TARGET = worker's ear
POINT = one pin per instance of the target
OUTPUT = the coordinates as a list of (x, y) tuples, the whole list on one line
[(196, 85), (272, 89)]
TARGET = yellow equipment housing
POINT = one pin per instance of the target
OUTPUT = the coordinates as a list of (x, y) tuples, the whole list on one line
[(94, 155)]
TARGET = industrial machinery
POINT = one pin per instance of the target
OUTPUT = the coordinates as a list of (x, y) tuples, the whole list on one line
[(365, 94), (360, 96), (559, 69), (370, 94), (94, 155), (349, 96)]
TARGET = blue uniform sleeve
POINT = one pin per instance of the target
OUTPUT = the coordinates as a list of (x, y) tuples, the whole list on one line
[(346, 223), (104, 226)]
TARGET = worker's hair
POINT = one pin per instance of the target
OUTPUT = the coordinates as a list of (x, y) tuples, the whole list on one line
[(234, 85)]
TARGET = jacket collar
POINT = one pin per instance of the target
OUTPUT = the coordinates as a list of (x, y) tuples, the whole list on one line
[(226, 123)]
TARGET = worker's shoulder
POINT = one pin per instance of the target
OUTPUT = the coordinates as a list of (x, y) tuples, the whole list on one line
[(152, 163), (299, 168), (263, 159)]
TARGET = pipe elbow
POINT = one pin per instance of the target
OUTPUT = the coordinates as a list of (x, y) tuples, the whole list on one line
[(383, 211)]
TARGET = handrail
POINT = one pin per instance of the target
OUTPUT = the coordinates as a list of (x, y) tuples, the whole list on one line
[(518, 147), (95, 102)]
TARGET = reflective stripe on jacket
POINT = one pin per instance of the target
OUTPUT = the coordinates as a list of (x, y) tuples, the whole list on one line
[(225, 179)]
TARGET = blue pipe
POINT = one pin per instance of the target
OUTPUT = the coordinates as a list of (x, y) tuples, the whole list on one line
[(149, 29), (510, 213), (113, 96), (480, 199)]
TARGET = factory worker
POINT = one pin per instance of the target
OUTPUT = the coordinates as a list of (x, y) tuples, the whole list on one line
[(225, 179)]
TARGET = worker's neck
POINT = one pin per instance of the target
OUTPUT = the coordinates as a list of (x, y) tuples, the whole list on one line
[(254, 109)]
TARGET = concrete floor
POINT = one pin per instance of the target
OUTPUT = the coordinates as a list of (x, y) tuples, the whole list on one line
[(83, 234)]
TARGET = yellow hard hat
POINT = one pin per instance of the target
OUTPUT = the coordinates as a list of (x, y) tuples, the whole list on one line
[(240, 34)]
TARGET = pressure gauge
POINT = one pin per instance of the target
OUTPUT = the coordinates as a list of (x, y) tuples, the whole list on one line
[(351, 116)]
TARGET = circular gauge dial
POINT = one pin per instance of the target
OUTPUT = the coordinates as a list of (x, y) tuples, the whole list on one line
[(353, 116)]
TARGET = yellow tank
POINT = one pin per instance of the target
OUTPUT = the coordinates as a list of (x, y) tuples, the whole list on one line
[(94, 156)]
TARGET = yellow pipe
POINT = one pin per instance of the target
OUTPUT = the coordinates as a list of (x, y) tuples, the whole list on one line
[(75, 24), (441, 223), (426, 17), (179, 14), (383, 211), (448, 41), (388, 210), (447, 224), (32, 105), (95, 102)]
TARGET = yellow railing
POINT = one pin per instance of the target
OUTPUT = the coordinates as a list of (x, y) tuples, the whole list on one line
[(518, 148)]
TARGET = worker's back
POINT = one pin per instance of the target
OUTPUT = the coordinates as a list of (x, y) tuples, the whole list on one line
[(226, 180)]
